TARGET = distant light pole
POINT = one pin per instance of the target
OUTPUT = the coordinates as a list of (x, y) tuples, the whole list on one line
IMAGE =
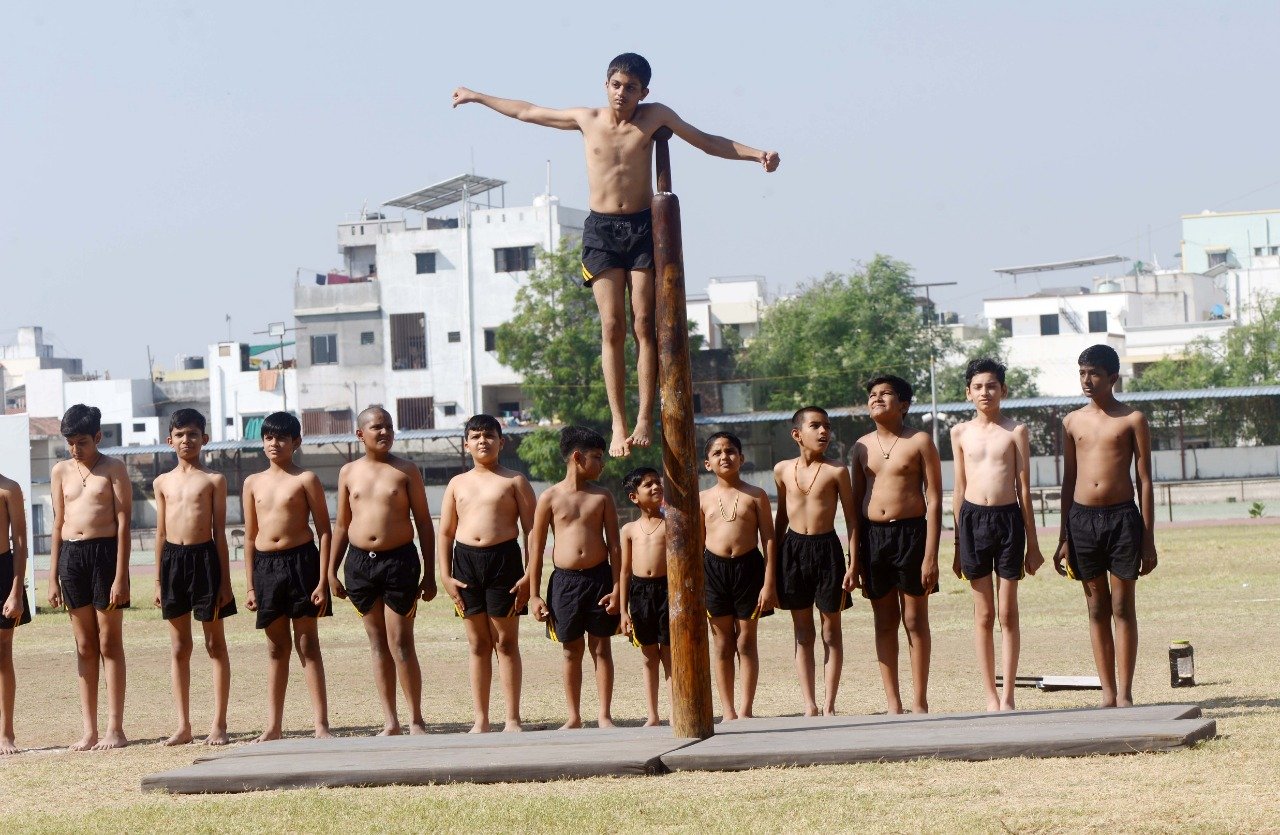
[(933, 377), (277, 330)]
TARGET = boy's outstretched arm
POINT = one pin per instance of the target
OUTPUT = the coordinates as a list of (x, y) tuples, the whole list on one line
[(716, 146), (548, 117)]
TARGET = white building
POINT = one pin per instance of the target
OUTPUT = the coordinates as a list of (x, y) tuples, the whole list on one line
[(29, 352), (731, 303), (241, 393), (128, 406)]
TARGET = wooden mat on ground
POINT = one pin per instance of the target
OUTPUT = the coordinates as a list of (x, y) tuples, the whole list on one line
[(751, 743)]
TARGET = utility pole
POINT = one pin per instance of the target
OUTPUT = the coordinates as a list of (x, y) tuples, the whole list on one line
[(277, 330), (933, 350)]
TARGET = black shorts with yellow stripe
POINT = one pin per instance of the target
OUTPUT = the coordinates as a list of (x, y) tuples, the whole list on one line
[(733, 585), (573, 596), (190, 578), (86, 572), (622, 242), (392, 576), (489, 573)]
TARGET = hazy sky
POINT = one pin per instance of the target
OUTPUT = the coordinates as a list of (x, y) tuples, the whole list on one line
[(167, 164)]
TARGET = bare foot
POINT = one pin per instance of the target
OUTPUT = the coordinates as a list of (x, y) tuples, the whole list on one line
[(268, 735), (113, 739), (323, 732), (418, 728), (643, 436), (811, 711), (606, 722), (746, 713), (181, 737), (653, 722), (7, 746), (86, 742), (1121, 702), (920, 707), (571, 725), (894, 710), (729, 717), (993, 705), (620, 444), (480, 727), (513, 726), (217, 736), (1007, 706), (829, 710), (391, 730)]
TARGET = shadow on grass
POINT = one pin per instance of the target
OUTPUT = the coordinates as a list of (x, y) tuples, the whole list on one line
[(1230, 707)]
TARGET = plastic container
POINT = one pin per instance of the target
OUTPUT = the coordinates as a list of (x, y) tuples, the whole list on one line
[(1182, 664)]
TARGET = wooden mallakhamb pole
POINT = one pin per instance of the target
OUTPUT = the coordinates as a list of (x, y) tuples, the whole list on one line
[(690, 657)]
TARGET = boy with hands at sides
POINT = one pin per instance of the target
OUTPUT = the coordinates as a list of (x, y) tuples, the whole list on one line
[(16, 609), (484, 520), (288, 576), (643, 584)]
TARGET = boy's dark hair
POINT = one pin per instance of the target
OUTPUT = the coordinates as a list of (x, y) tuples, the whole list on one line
[(281, 425), (579, 439), (631, 64), (728, 436), (803, 410), (631, 481), (1101, 356), (900, 386), (186, 417), (482, 423), (81, 420), (985, 365)]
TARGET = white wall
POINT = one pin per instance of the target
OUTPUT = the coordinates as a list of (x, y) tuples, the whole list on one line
[(235, 394), (15, 462)]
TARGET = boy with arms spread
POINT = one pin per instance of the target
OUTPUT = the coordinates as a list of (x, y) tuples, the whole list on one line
[(617, 241), (643, 584), (89, 566), (582, 591), (288, 576), (897, 481), (481, 566), (736, 523), (193, 575), (811, 560), (381, 500), (995, 531), (1108, 541), (16, 608)]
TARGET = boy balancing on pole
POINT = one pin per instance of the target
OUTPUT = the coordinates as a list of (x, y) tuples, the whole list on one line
[(1107, 540), (995, 531), (617, 240)]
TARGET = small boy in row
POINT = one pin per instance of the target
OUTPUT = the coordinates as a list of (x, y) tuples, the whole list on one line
[(16, 608), (642, 585)]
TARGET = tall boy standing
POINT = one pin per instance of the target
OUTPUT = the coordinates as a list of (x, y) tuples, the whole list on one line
[(89, 566), (581, 609), (1108, 541), (193, 574), (737, 523), (482, 570), (995, 531), (288, 576), (643, 583), (16, 609), (381, 501), (617, 238), (811, 560), (897, 481)]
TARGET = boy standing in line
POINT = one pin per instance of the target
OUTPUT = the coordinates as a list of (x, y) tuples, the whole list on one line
[(811, 560), (736, 522), (617, 251), (581, 609), (381, 500), (1108, 541), (995, 531), (897, 481), (481, 568), (16, 608), (193, 575), (288, 577), (89, 566), (643, 584)]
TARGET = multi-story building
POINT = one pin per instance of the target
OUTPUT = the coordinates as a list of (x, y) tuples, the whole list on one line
[(29, 352), (1229, 239), (731, 303)]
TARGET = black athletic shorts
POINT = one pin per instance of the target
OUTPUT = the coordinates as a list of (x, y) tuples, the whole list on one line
[(733, 585), (490, 573), (283, 582), (811, 571), (394, 576), (6, 587), (891, 556), (86, 570), (616, 241), (1102, 539), (650, 615), (190, 576), (574, 596), (991, 539)]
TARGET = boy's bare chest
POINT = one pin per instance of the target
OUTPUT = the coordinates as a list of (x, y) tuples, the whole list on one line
[(389, 485), (488, 496), (188, 490), (279, 495), (1105, 435), (586, 510), (988, 447), (93, 489), (615, 145)]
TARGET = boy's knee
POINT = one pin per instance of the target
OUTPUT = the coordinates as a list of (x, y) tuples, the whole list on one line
[(277, 650), (481, 646), (215, 644), (915, 622), (307, 645), (1008, 620), (613, 330), (507, 645), (985, 619), (642, 327)]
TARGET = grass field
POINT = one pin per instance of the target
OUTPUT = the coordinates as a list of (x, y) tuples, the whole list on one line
[(1217, 586)]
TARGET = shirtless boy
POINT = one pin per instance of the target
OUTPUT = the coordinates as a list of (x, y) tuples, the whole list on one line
[(995, 531), (737, 523), (484, 522), (16, 608), (897, 482), (288, 576), (193, 575), (581, 609), (617, 241), (1107, 540), (381, 501), (643, 584), (811, 559), (89, 566)]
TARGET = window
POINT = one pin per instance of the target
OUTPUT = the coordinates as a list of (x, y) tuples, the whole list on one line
[(1004, 326), (1275, 250), (415, 413), (324, 349), (1049, 324), (426, 262), (1097, 321), (1259, 250), (326, 422), (455, 336), (139, 427), (491, 339), (366, 337), (408, 341), (1218, 258), (451, 410), (513, 259), (510, 408)]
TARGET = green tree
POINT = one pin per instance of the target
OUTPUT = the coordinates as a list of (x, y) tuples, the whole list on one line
[(822, 344)]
